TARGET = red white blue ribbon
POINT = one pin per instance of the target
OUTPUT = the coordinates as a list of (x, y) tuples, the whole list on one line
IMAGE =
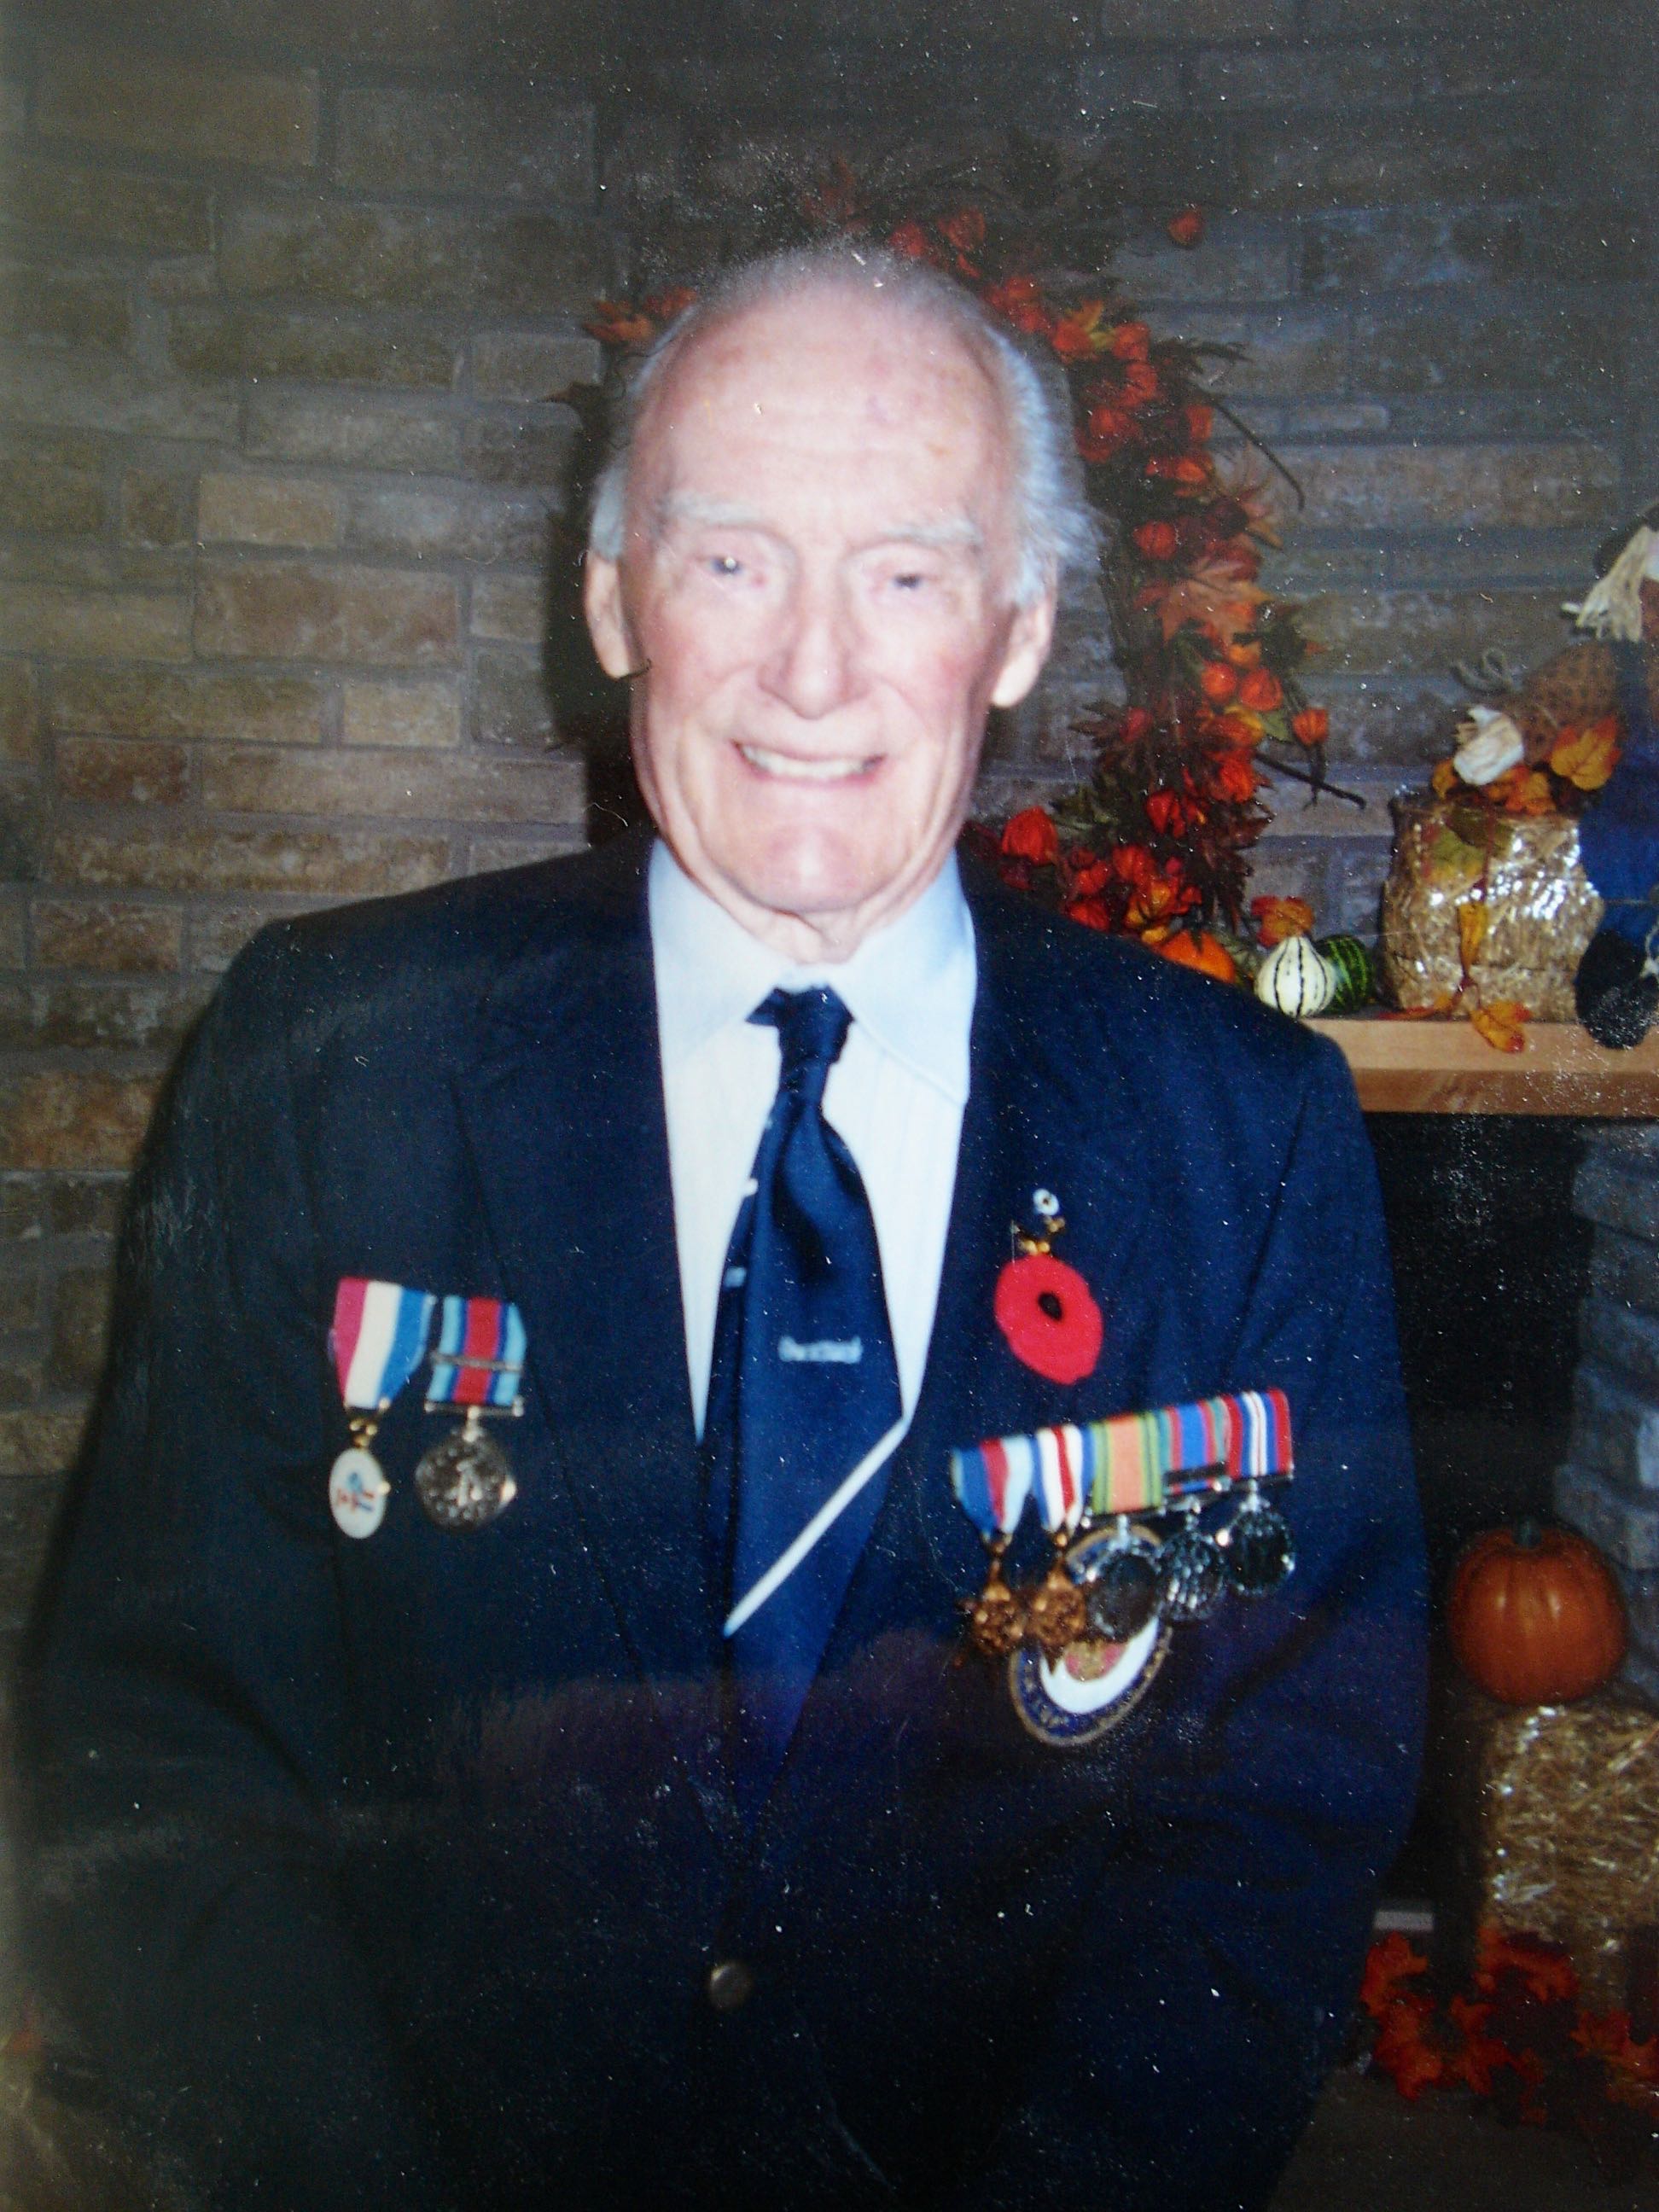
[(377, 1339), (479, 1355), (1134, 1463), (993, 1481)]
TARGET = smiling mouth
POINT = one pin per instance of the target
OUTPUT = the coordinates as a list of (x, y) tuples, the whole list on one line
[(791, 768)]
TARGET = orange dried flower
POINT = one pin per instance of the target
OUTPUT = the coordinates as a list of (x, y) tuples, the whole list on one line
[(1171, 815), (1108, 428), (1078, 336), (1156, 540), (1019, 300), (1260, 690), (1201, 422), (1129, 341), (1219, 681), (1092, 912), (912, 242), (1187, 469), (1276, 919), (1030, 834), (1311, 725), (1233, 776), (1444, 780)]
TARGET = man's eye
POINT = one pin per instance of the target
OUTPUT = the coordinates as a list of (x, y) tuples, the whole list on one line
[(724, 564)]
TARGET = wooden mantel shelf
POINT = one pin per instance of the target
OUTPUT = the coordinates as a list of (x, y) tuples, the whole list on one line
[(1445, 1068)]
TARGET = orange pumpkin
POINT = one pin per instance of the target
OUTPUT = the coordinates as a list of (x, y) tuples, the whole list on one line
[(1196, 948), (1536, 1615)]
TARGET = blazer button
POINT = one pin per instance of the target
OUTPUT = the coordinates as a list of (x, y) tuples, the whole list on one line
[(729, 1984)]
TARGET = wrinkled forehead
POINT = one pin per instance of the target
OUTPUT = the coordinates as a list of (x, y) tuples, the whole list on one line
[(833, 376)]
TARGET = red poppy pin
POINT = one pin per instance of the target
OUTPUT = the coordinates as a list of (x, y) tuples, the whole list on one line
[(1044, 1309)]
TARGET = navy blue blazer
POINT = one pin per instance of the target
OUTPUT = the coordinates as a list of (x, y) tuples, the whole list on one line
[(389, 1873)]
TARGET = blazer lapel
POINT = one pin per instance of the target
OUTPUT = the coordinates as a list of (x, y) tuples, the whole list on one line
[(565, 1116)]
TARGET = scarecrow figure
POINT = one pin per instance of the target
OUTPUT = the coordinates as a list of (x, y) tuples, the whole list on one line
[(1609, 676)]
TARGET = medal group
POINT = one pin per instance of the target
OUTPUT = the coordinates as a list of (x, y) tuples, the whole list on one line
[(1097, 1622), (382, 1335)]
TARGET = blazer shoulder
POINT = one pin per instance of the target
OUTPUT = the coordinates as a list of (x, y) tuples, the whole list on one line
[(410, 983)]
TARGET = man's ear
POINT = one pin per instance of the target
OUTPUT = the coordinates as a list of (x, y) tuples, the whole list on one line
[(1029, 639), (607, 617)]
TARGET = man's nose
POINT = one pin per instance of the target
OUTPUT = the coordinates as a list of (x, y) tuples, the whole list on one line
[(812, 666)]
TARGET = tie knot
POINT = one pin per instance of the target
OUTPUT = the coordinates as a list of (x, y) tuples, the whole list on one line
[(811, 1027)]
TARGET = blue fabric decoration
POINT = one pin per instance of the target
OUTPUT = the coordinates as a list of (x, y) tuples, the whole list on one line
[(1618, 834)]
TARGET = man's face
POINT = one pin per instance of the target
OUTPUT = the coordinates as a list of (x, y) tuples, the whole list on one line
[(815, 579)]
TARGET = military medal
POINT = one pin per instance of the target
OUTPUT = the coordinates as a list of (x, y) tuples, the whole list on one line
[(464, 1481), (1056, 1613), (992, 1487), (1091, 1637), (1261, 1550), (1191, 1570), (1120, 1582), (377, 1339)]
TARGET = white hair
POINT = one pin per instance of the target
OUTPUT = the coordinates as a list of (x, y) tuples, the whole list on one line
[(1055, 527)]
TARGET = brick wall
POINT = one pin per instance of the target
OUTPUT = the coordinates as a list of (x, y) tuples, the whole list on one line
[(285, 292)]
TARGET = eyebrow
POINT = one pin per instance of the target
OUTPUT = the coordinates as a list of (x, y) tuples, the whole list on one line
[(955, 531)]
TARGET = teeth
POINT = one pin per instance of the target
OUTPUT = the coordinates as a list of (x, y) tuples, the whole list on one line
[(801, 771)]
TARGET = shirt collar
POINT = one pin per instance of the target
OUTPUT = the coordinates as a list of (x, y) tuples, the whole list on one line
[(910, 985)]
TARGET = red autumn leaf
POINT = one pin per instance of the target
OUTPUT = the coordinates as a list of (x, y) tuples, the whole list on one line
[(1092, 912), (1129, 341), (1391, 1961), (1048, 1316)]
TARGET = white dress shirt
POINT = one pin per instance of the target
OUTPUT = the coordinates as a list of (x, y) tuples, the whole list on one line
[(895, 1096)]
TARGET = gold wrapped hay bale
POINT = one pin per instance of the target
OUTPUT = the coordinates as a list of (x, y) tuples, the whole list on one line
[(1556, 1812), (1541, 908)]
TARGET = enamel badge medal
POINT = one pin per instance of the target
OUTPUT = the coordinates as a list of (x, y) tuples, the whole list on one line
[(377, 1340)]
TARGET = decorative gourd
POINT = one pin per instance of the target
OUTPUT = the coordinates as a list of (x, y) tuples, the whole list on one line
[(1196, 948), (1296, 977), (1536, 1615), (1350, 960)]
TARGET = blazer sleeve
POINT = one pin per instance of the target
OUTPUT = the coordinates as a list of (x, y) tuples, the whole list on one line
[(1209, 1987), (186, 1692)]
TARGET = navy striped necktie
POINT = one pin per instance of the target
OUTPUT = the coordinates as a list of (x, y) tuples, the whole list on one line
[(804, 1384)]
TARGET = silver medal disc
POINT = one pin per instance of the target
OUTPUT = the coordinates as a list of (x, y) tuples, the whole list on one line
[(464, 1481)]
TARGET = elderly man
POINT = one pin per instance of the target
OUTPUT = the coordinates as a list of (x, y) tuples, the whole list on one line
[(603, 1807)]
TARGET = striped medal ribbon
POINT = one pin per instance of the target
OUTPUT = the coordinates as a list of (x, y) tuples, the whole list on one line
[(376, 1340), (1168, 1460), (465, 1480)]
